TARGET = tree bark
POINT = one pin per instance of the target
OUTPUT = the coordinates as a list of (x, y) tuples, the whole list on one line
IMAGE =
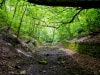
[(70, 3)]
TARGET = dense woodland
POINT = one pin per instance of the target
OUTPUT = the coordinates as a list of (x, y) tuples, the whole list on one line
[(47, 23), (75, 28)]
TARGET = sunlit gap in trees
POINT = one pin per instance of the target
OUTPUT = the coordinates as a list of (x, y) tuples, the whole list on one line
[(50, 35)]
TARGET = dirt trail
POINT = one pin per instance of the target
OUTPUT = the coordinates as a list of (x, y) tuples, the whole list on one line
[(17, 59), (45, 61), (60, 61)]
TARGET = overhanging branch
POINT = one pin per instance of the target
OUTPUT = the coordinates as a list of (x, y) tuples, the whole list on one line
[(71, 3), (63, 23), (73, 17)]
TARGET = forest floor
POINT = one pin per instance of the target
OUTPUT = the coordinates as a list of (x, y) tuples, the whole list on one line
[(44, 60)]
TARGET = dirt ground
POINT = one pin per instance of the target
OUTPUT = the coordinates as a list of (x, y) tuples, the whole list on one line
[(45, 60)]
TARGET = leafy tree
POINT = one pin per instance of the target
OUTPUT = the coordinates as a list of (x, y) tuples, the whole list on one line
[(45, 23)]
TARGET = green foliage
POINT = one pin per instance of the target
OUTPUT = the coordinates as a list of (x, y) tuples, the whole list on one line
[(48, 23), (43, 62), (3, 20)]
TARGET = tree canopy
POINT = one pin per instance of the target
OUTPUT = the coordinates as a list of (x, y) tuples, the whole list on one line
[(46, 23)]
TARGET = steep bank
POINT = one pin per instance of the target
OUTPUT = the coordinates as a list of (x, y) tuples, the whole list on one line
[(89, 45)]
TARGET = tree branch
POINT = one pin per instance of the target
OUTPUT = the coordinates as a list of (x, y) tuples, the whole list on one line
[(3, 1), (71, 3), (63, 23), (73, 17)]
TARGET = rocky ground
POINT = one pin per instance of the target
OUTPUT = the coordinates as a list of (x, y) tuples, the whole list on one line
[(44, 60)]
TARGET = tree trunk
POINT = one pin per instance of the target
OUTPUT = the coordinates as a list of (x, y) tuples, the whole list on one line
[(9, 27), (71, 3), (20, 24)]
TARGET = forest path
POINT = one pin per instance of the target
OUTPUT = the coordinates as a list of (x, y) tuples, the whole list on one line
[(46, 60), (15, 59), (60, 61)]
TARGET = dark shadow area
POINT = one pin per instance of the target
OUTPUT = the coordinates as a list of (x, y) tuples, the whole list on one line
[(91, 49)]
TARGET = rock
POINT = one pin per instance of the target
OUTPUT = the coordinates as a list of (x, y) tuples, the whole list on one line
[(44, 71), (11, 72), (23, 72), (28, 54), (99, 70), (62, 62), (17, 67)]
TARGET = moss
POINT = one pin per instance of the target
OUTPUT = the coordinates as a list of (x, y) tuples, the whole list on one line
[(90, 49), (61, 62), (43, 62)]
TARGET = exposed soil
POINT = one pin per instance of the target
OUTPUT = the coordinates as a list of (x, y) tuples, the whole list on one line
[(44, 60)]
